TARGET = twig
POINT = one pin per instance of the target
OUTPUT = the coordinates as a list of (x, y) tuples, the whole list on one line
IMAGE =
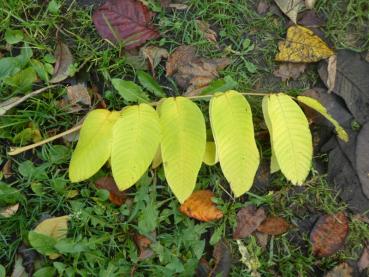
[(18, 150), (5, 106)]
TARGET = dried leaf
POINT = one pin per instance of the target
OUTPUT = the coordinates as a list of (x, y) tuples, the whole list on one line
[(64, 59), (362, 161), (363, 262), (7, 169), (262, 7), (128, 21), (248, 220), (332, 69), (116, 196), (311, 19), (9, 211), (192, 72), (274, 226), (310, 4), (341, 270), (290, 8), (302, 45), (262, 239), (55, 227), (290, 70), (329, 234), (200, 206), (143, 244), (208, 33), (223, 259), (178, 6), (154, 55), (78, 94), (351, 82)]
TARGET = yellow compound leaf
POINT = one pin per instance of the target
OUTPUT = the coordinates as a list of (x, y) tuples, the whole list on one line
[(232, 126), (274, 167), (315, 105), (302, 45), (94, 145), (183, 144), (136, 138), (290, 136), (210, 156)]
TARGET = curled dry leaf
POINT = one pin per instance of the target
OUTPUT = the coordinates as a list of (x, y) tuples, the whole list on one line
[(116, 196), (290, 70), (9, 211), (208, 33), (154, 55), (332, 69), (248, 220), (200, 206), (341, 270), (274, 226), (223, 259), (64, 59), (290, 8), (78, 94), (7, 169), (143, 244), (192, 72), (302, 45), (129, 21), (363, 262), (329, 234)]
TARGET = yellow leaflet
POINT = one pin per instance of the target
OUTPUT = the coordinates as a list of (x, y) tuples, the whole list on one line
[(136, 138), (210, 156), (183, 144), (315, 105), (94, 144), (274, 167), (290, 136), (302, 45), (55, 227), (233, 131)]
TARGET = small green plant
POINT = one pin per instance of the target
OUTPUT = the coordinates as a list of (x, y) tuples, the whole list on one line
[(176, 133)]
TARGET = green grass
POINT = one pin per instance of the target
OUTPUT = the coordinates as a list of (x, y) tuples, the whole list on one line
[(102, 234)]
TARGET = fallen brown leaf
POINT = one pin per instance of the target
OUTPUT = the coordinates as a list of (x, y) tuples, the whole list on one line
[(329, 234), (7, 169), (9, 211), (143, 244), (64, 59), (341, 270), (289, 70), (192, 72), (262, 239), (290, 8), (248, 220), (332, 69), (154, 55), (208, 33), (129, 21), (262, 7), (274, 226), (116, 196), (78, 94), (311, 19), (200, 206), (363, 262), (223, 259)]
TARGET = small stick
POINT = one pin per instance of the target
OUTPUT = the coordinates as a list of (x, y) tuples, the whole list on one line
[(18, 150), (4, 107)]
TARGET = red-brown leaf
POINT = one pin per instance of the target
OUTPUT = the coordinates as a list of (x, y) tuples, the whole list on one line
[(200, 206), (130, 21), (329, 234), (116, 196), (248, 220), (143, 244), (274, 226)]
